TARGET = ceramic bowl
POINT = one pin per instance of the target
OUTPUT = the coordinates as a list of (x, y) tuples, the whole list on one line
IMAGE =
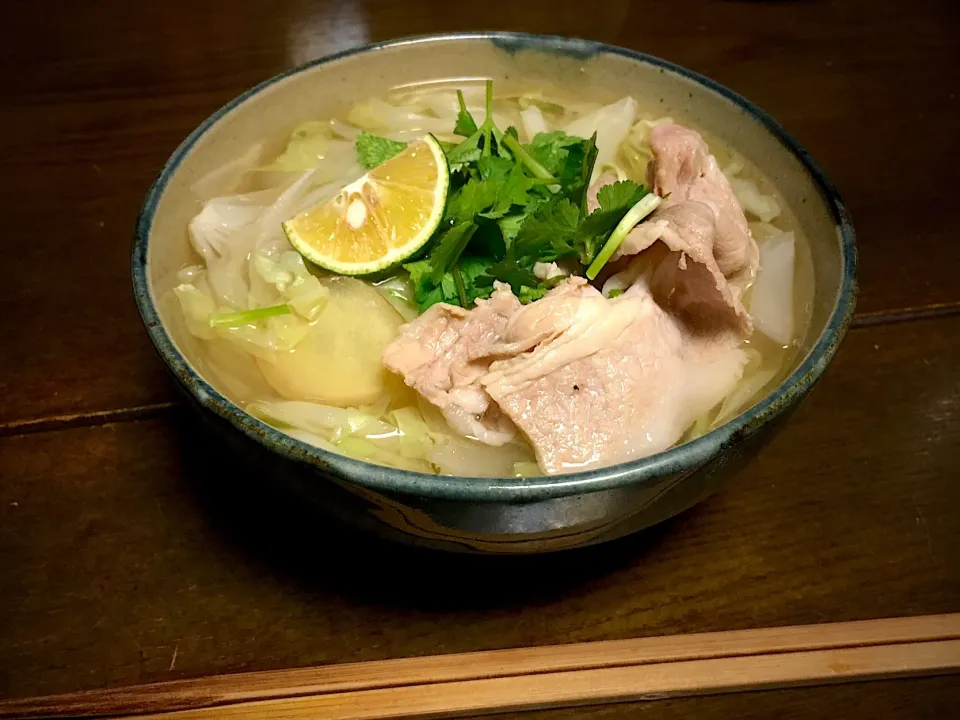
[(508, 515)]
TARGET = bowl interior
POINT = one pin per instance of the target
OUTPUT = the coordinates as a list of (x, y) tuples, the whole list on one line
[(328, 87)]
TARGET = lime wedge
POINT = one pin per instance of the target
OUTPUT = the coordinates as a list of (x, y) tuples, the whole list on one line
[(380, 219)]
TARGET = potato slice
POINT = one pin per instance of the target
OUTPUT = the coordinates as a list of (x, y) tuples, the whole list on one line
[(339, 362)]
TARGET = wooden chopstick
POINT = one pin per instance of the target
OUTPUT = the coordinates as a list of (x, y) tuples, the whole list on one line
[(528, 678)]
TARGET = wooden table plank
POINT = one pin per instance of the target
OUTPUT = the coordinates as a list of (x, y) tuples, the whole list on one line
[(546, 676), (93, 110), (136, 553), (922, 699)]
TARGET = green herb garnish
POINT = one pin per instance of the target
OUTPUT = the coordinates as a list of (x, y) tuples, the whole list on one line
[(246, 317), (373, 150), (512, 205)]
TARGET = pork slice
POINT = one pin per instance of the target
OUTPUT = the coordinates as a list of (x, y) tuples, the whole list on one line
[(674, 250), (679, 154), (615, 380), (443, 353), (684, 169)]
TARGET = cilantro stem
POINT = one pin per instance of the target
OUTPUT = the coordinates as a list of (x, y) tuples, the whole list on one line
[(488, 120), (249, 316), (488, 101), (463, 104), (461, 290), (634, 215), (538, 170)]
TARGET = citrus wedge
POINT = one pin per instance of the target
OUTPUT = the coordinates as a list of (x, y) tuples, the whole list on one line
[(380, 219)]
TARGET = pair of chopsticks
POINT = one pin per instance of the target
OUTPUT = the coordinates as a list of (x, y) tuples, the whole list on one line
[(539, 677)]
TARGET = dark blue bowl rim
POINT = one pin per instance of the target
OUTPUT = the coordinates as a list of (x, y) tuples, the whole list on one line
[(683, 458)]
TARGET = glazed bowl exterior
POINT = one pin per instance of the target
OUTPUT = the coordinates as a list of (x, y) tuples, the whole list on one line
[(496, 515)]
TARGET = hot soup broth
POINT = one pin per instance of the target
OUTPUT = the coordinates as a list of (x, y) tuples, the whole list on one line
[(379, 367)]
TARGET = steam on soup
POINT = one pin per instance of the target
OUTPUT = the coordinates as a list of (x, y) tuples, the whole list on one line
[(448, 282)]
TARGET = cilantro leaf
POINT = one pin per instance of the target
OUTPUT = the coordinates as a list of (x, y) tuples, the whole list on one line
[(473, 198), (548, 233), (512, 192), (488, 241), (494, 168), (621, 195), (615, 201), (509, 272), (578, 192), (425, 292), (466, 125), (528, 294), (449, 248), (550, 149), (373, 150), (510, 226), (501, 185), (466, 152), (470, 269), (569, 159), (481, 141)]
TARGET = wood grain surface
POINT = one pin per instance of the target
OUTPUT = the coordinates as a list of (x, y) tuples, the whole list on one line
[(589, 673), (135, 555), (926, 699), (131, 553)]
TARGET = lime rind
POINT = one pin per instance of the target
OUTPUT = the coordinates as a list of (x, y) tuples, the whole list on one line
[(395, 255)]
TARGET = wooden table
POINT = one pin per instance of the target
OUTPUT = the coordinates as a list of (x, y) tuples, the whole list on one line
[(132, 554)]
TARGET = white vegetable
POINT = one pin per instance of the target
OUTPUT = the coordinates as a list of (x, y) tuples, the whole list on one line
[(312, 417), (228, 177), (763, 207), (533, 122), (635, 150), (211, 229), (339, 360), (457, 455), (612, 123), (754, 202), (440, 98), (197, 307), (762, 231), (342, 130), (549, 271), (736, 401), (307, 297), (401, 440), (377, 115), (445, 106), (298, 288), (306, 148), (398, 291), (771, 301), (620, 282), (415, 438)]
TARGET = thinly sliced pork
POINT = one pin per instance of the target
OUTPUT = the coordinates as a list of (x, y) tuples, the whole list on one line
[(444, 352), (684, 169), (609, 380), (674, 249)]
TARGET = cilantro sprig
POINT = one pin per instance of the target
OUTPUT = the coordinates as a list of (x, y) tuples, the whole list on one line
[(373, 150), (511, 205)]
